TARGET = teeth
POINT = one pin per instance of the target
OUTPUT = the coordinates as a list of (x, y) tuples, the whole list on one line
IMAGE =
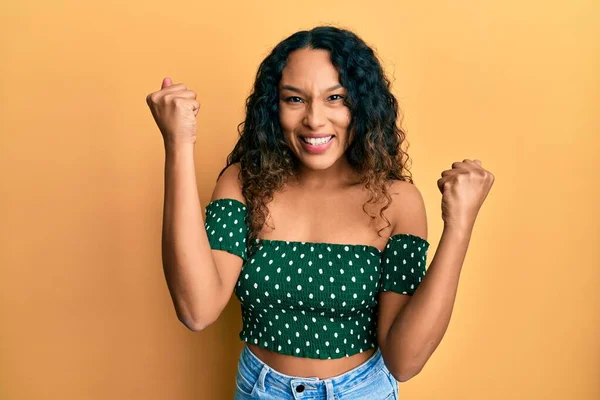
[(317, 141)]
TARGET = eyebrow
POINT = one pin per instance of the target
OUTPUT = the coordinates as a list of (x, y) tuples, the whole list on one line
[(295, 89)]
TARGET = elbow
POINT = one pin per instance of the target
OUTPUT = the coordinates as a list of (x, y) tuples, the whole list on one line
[(401, 370), (196, 324), (197, 319), (405, 374)]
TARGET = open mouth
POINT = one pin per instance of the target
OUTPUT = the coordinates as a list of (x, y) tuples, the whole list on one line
[(317, 141)]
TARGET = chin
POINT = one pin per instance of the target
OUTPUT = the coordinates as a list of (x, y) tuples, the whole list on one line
[(318, 163)]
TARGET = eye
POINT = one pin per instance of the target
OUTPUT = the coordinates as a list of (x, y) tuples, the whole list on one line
[(292, 99), (338, 95)]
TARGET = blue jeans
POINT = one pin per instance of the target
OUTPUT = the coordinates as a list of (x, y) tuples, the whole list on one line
[(370, 380)]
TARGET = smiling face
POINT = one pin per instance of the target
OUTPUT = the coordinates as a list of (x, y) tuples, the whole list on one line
[(312, 113)]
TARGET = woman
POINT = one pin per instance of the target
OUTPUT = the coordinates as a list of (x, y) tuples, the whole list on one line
[(315, 227)]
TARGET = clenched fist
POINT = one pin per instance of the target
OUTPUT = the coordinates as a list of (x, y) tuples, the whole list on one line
[(174, 109), (464, 188)]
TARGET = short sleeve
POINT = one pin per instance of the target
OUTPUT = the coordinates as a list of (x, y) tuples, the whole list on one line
[(403, 263), (226, 227)]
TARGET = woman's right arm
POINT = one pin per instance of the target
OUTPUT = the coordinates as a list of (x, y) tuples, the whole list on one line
[(200, 280)]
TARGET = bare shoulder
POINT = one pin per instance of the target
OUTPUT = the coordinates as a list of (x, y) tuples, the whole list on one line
[(407, 210), (229, 185)]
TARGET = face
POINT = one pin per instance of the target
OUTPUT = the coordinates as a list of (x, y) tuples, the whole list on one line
[(312, 113)]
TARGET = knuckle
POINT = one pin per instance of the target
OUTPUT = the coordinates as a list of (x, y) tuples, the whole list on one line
[(151, 98), (170, 98)]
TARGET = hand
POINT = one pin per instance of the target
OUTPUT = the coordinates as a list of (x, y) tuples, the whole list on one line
[(464, 188), (174, 109)]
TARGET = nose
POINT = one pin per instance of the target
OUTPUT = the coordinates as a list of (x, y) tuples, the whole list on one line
[(315, 116)]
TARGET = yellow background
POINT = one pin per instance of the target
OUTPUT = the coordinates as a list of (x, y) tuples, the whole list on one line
[(84, 307)]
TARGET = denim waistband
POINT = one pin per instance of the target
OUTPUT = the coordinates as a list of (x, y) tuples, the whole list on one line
[(354, 376)]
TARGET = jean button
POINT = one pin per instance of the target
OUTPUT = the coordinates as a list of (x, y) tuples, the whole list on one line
[(300, 388)]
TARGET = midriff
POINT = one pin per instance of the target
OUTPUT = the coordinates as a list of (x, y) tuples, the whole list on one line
[(308, 367)]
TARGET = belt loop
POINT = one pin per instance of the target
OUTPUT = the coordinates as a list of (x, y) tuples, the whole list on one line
[(261, 377), (329, 389)]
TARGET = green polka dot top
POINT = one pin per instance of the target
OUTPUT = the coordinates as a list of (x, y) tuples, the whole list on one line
[(316, 300)]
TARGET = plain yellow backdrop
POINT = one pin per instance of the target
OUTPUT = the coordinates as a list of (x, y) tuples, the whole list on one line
[(85, 310)]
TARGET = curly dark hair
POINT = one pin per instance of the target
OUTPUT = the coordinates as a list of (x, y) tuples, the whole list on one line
[(266, 162)]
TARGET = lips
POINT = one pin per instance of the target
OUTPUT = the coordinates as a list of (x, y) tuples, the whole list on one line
[(305, 139), (317, 148), (317, 135)]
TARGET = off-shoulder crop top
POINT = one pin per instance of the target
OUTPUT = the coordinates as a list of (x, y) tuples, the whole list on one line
[(308, 299)]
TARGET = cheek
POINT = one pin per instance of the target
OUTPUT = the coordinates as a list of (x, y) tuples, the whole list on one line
[(342, 118), (286, 120), (287, 126)]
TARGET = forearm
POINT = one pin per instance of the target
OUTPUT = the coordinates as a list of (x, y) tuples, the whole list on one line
[(188, 265), (420, 326)]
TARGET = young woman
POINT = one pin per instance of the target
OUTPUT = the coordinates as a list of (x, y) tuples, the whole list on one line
[(315, 227)]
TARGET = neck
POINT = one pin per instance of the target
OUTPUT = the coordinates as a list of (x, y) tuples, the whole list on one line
[(340, 174)]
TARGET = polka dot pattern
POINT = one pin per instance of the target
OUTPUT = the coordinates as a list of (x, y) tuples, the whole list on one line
[(403, 263), (316, 300), (225, 226)]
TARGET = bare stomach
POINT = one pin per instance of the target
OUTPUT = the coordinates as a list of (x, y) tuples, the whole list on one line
[(308, 367)]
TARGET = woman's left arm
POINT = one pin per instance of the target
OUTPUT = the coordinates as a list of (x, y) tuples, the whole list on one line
[(420, 325)]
